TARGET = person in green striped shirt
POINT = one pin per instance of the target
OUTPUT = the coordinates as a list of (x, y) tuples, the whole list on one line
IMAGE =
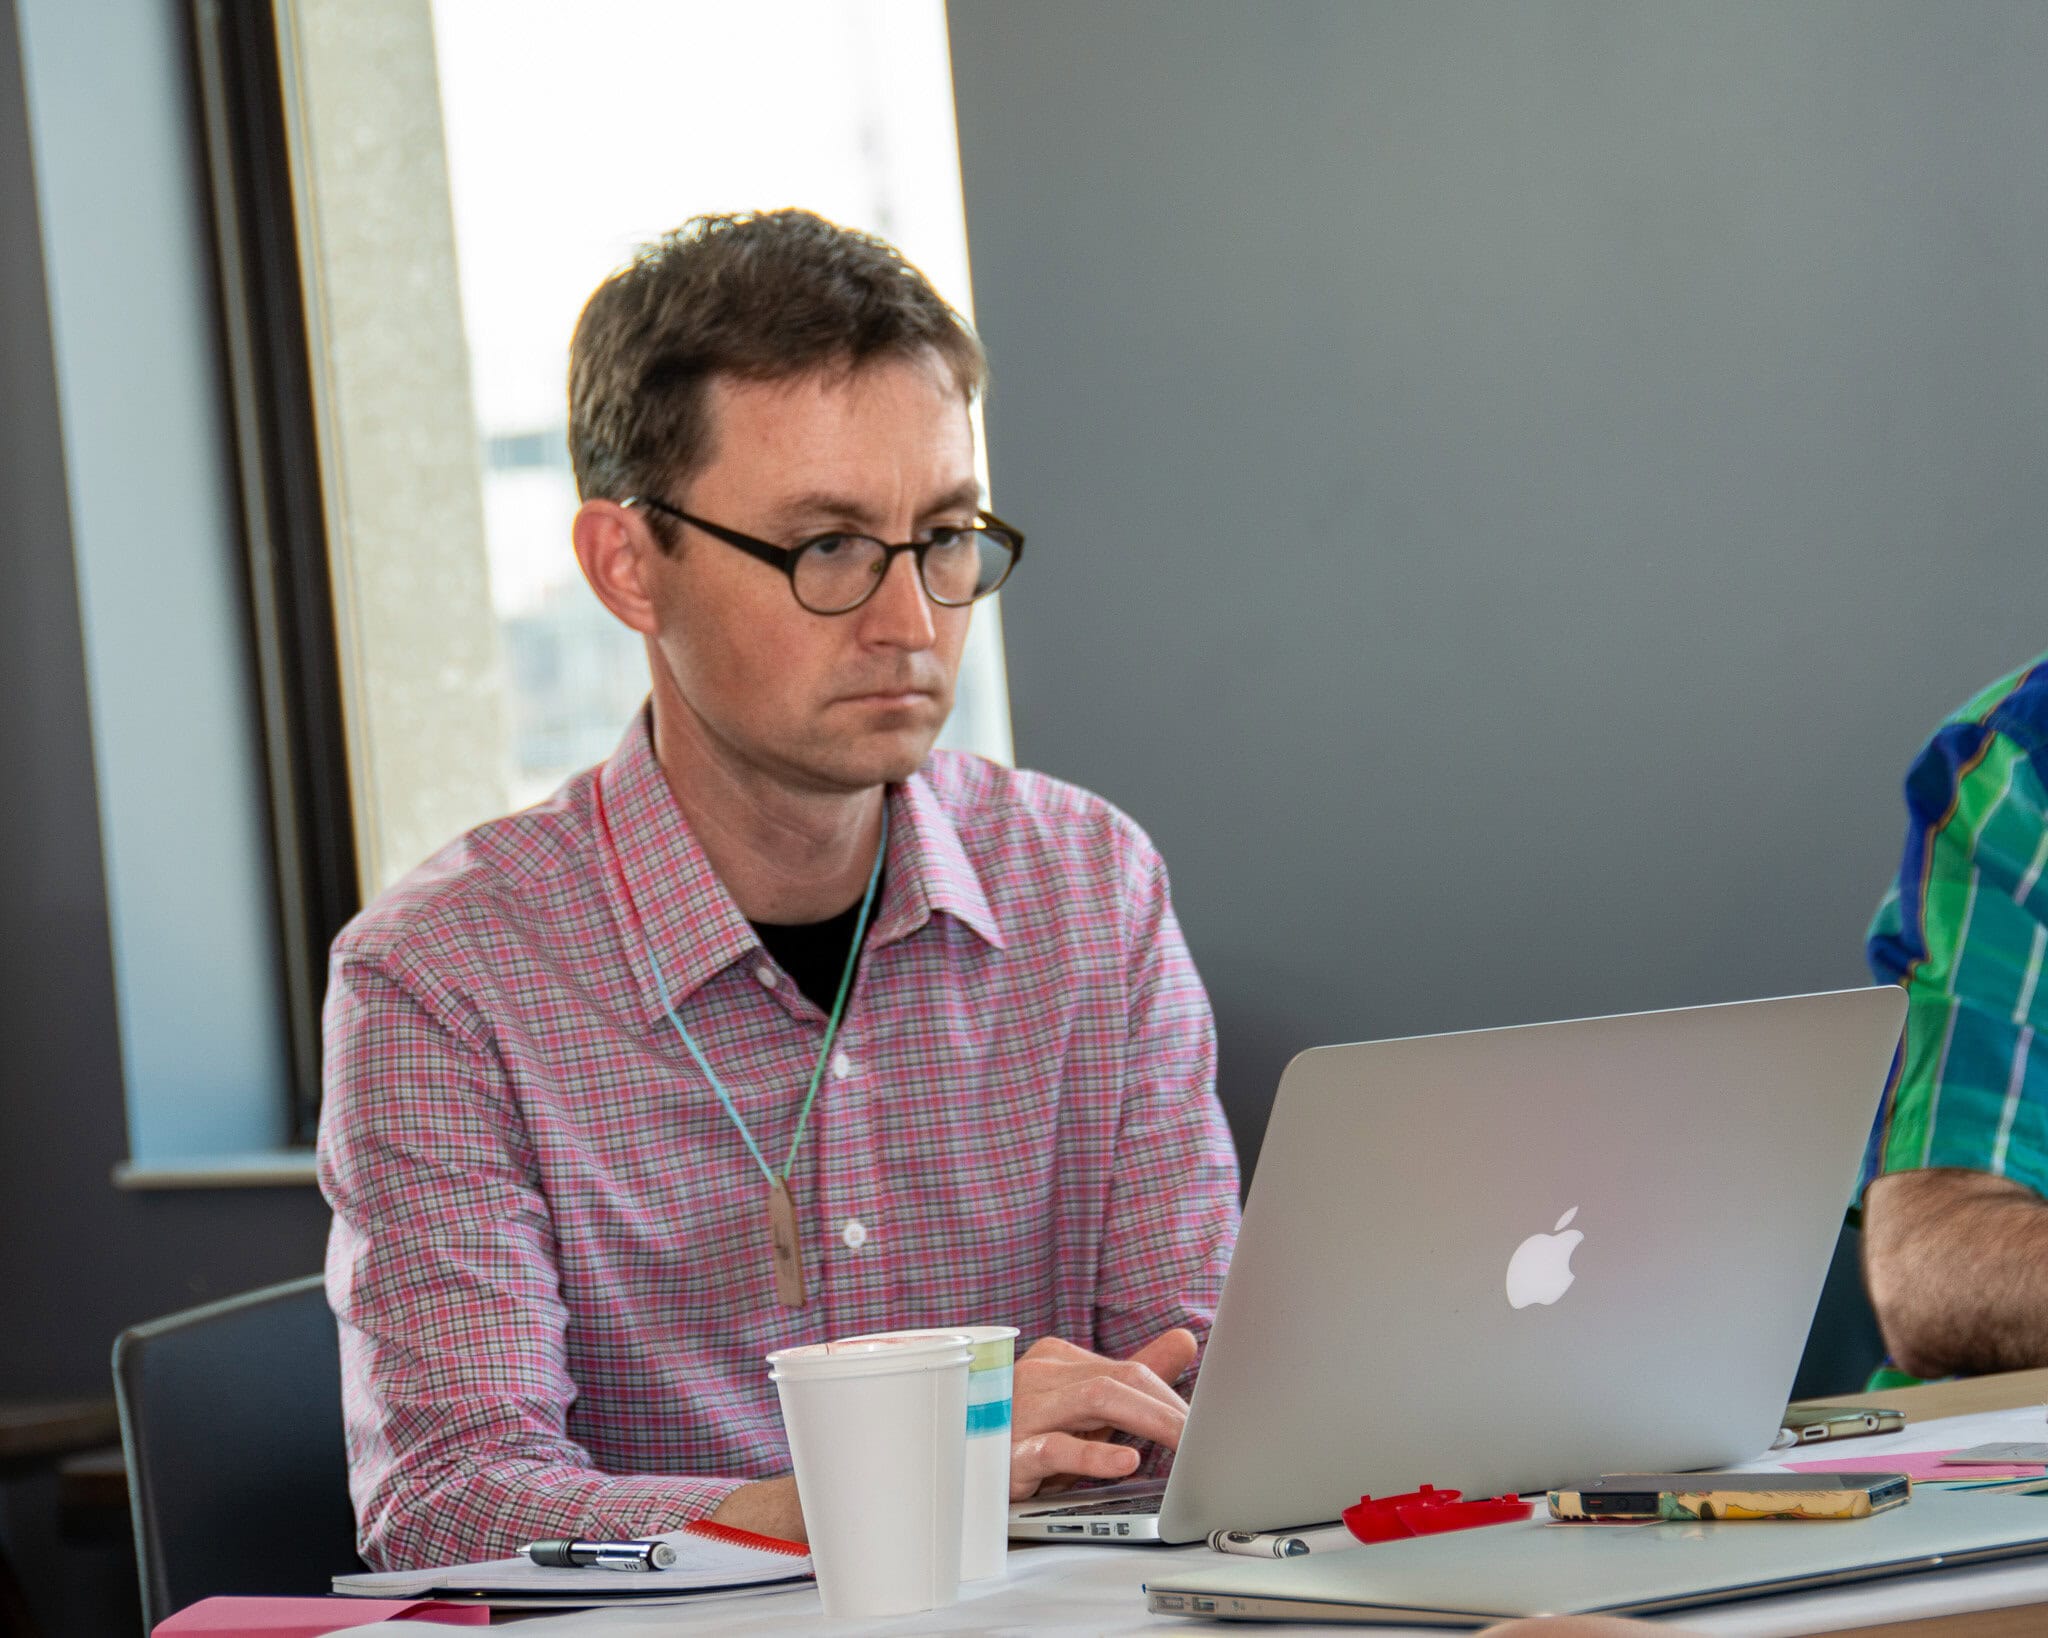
[(1955, 1182)]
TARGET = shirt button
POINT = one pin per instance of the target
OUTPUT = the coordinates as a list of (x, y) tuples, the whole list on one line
[(767, 976), (842, 1066), (854, 1235)]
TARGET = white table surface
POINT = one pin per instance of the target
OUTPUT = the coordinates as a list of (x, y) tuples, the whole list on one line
[(1095, 1590)]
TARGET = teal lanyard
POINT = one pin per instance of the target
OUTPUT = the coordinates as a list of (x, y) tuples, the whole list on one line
[(732, 1113)]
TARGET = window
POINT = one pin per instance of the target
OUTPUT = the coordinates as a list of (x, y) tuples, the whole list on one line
[(479, 672), (587, 129)]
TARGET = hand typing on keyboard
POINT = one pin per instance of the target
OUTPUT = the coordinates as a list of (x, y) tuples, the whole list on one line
[(1066, 1402)]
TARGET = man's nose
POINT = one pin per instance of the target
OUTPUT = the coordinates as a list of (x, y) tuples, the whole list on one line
[(899, 613)]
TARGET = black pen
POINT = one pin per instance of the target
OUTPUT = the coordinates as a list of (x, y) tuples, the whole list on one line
[(601, 1555)]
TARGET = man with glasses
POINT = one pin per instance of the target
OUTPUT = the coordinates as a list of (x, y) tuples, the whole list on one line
[(779, 1025)]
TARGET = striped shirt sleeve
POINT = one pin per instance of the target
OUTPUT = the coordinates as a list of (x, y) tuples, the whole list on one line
[(1964, 930), (442, 1271)]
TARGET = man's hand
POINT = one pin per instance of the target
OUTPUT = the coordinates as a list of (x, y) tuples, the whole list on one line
[(1065, 1402)]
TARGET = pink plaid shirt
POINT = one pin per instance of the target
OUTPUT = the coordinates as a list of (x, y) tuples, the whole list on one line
[(550, 1258)]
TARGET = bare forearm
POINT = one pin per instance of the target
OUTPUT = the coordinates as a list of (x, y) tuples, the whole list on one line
[(768, 1507), (1958, 1270)]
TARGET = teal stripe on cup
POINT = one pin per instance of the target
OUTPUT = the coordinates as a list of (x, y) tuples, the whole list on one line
[(988, 1388)]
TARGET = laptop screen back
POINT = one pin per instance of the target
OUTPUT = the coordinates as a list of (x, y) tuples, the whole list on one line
[(1510, 1258)]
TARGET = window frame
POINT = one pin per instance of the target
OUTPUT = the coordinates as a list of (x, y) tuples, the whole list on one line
[(269, 382)]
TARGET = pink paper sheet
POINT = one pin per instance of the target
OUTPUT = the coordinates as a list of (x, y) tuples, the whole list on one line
[(1922, 1464), (311, 1617)]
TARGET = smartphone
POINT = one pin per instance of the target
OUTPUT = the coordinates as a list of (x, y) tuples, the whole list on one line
[(1643, 1496), (1810, 1423)]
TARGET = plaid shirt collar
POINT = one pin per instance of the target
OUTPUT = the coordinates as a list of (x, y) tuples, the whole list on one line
[(690, 923)]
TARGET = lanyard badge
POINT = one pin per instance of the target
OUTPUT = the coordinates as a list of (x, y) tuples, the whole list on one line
[(788, 1246), (785, 1241)]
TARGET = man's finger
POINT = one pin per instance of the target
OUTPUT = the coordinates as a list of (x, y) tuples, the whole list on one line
[(1169, 1354), (1134, 1410), (1052, 1377), (1049, 1455), (1058, 1349), (1045, 1376), (1141, 1376), (1055, 1376), (1082, 1404)]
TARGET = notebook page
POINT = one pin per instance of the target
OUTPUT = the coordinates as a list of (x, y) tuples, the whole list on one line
[(708, 1556)]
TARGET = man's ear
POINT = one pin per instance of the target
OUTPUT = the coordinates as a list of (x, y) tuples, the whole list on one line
[(615, 549)]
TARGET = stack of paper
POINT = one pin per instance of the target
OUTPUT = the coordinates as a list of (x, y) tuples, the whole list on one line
[(1994, 1450), (711, 1559)]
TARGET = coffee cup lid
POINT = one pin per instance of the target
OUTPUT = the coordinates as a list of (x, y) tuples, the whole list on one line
[(879, 1355), (973, 1333)]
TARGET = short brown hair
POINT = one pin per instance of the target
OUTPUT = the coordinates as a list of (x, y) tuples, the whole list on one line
[(760, 296)]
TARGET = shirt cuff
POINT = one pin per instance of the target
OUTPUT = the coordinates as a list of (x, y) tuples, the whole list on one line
[(639, 1505)]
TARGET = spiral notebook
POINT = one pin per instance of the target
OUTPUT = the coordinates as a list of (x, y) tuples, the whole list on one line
[(711, 1559)]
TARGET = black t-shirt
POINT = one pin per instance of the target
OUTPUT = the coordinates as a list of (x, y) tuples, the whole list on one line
[(814, 952)]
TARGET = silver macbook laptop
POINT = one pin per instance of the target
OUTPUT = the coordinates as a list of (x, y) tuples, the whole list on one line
[(1472, 1578), (1510, 1258)]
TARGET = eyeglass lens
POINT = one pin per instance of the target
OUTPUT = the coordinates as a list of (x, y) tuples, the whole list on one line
[(840, 572)]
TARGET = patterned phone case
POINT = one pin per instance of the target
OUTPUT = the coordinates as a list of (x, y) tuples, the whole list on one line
[(1708, 1504)]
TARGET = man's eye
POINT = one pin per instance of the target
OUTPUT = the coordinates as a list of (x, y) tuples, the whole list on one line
[(827, 546)]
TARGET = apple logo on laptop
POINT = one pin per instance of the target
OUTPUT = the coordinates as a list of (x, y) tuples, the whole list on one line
[(1541, 1269)]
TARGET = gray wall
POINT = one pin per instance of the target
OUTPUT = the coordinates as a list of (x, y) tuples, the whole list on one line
[(1509, 486)]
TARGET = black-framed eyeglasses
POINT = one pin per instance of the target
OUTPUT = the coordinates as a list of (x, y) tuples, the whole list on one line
[(836, 573)]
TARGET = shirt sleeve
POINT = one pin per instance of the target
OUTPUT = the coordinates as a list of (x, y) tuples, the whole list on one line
[(441, 1269), (1172, 1209), (1963, 930)]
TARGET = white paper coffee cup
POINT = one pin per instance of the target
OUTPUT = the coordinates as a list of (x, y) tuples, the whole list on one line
[(877, 1434), (985, 1512)]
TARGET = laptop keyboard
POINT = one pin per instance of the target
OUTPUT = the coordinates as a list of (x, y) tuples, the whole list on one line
[(1126, 1505)]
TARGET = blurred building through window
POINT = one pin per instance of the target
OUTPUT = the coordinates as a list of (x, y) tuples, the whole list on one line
[(577, 131)]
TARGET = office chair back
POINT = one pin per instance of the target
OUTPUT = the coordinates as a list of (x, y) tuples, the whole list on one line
[(237, 1470)]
